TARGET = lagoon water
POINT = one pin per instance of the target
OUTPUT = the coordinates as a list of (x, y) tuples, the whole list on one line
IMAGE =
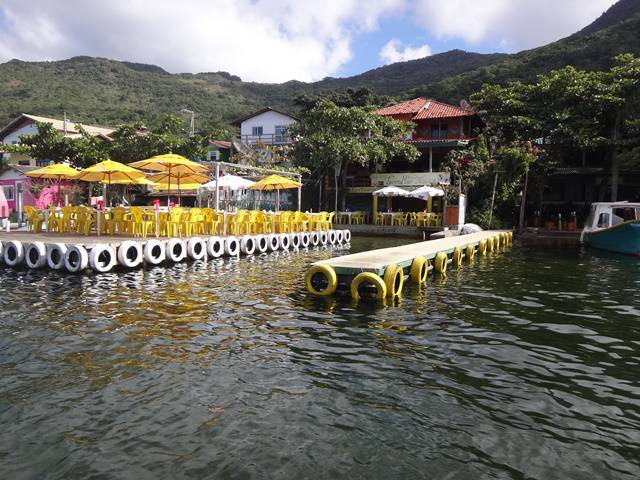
[(525, 364)]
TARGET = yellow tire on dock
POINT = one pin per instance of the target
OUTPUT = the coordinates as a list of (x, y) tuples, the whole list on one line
[(368, 279), (457, 257), (419, 270), (321, 280), (394, 280), (490, 244), (440, 262), (497, 241), (470, 252), (482, 247), (510, 234)]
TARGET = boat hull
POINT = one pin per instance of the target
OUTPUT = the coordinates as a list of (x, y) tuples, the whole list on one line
[(622, 238)]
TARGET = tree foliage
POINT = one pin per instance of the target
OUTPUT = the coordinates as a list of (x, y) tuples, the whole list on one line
[(329, 137), (129, 143)]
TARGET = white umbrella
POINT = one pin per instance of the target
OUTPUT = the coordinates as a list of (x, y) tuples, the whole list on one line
[(425, 192), (231, 182), (391, 191)]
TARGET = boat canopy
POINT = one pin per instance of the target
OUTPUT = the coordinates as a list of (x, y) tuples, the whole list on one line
[(610, 214)]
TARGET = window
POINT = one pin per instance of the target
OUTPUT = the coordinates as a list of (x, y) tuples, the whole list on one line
[(281, 133), (42, 163), (439, 131), (256, 131), (603, 220), (24, 163), (213, 155), (8, 192)]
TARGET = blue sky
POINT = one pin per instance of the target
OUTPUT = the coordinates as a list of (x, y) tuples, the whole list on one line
[(280, 40)]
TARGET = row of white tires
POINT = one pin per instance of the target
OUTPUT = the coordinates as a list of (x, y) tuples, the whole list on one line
[(131, 254)]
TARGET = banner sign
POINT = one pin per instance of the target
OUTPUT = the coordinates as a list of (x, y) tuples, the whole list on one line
[(410, 179)]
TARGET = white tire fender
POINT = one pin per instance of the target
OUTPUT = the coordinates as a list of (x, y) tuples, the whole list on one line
[(232, 246), (304, 239), (262, 243), (274, 242), (154, 252), (215, 247), (130, 254), (196, 248), (248, 245), (285, 241), (295, 240), (76, 258), (13, 253), (315, 238), (35, 255), (347, 236), (55, 255), (102, 258), (176, 250)]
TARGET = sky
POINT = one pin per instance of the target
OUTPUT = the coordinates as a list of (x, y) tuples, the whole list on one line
[(280, 40)]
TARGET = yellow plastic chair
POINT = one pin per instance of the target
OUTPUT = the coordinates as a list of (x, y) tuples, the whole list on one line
[(171, 223), (35, 218), (138, 222), (86, 219), (210, 223)]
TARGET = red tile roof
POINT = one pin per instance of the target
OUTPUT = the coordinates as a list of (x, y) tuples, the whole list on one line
[(423, 109), (434, 109), (220, 143), (412, 106)]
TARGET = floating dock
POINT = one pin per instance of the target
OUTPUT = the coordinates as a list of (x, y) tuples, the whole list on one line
[(381, 273), (76, 253)]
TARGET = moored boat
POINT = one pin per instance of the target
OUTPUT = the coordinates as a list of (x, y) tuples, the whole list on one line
[(613, 226)]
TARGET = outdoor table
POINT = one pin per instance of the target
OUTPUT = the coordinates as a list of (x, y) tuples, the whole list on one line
[(341, 216), (387, 215)]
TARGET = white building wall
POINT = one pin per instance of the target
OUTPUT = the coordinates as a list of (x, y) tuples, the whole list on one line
[(14, 137), (268, 122)]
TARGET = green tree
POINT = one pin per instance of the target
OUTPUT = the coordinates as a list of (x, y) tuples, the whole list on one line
[(330, 138)]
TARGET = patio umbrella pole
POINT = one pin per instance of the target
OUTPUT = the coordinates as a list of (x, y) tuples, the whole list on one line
[(169, 190), (217, 191)]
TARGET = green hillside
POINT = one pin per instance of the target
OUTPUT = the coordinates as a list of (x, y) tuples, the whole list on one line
[(615, 32), (97, 90)]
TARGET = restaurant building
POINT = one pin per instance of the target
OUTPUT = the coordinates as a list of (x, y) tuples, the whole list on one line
[(439, 128)]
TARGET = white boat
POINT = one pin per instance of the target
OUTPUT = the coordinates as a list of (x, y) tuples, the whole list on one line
[(613, 226)]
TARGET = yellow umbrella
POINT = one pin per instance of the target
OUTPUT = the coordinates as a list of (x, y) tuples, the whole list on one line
[(177, 168), (183, 186), (275, 182), (58, 171), (109, 172), (177, 181), (55, 171)]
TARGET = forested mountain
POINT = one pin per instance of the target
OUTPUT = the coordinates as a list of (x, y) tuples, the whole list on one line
[(97, 90)]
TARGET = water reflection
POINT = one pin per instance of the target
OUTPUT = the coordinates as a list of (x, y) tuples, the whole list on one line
[(522, 364)]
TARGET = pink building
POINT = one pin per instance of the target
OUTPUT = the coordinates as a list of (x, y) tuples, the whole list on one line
[(14, 189)]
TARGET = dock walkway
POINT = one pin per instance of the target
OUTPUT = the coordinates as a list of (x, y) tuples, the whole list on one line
[(377, 260), (380, 273)]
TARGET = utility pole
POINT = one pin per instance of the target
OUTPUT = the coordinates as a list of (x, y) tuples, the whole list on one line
[(192, 123)]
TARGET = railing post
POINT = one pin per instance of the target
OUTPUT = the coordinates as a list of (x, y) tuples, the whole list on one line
[(217, 191), (300, 193)]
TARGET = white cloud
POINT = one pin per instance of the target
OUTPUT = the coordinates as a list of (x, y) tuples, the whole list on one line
[(272, 40), (393, 52), (510, 24), (262, 40)]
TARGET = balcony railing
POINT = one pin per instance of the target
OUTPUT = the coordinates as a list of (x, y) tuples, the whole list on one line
[(266, 139)]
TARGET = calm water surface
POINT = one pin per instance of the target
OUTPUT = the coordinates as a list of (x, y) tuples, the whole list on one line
[(522, 365)]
